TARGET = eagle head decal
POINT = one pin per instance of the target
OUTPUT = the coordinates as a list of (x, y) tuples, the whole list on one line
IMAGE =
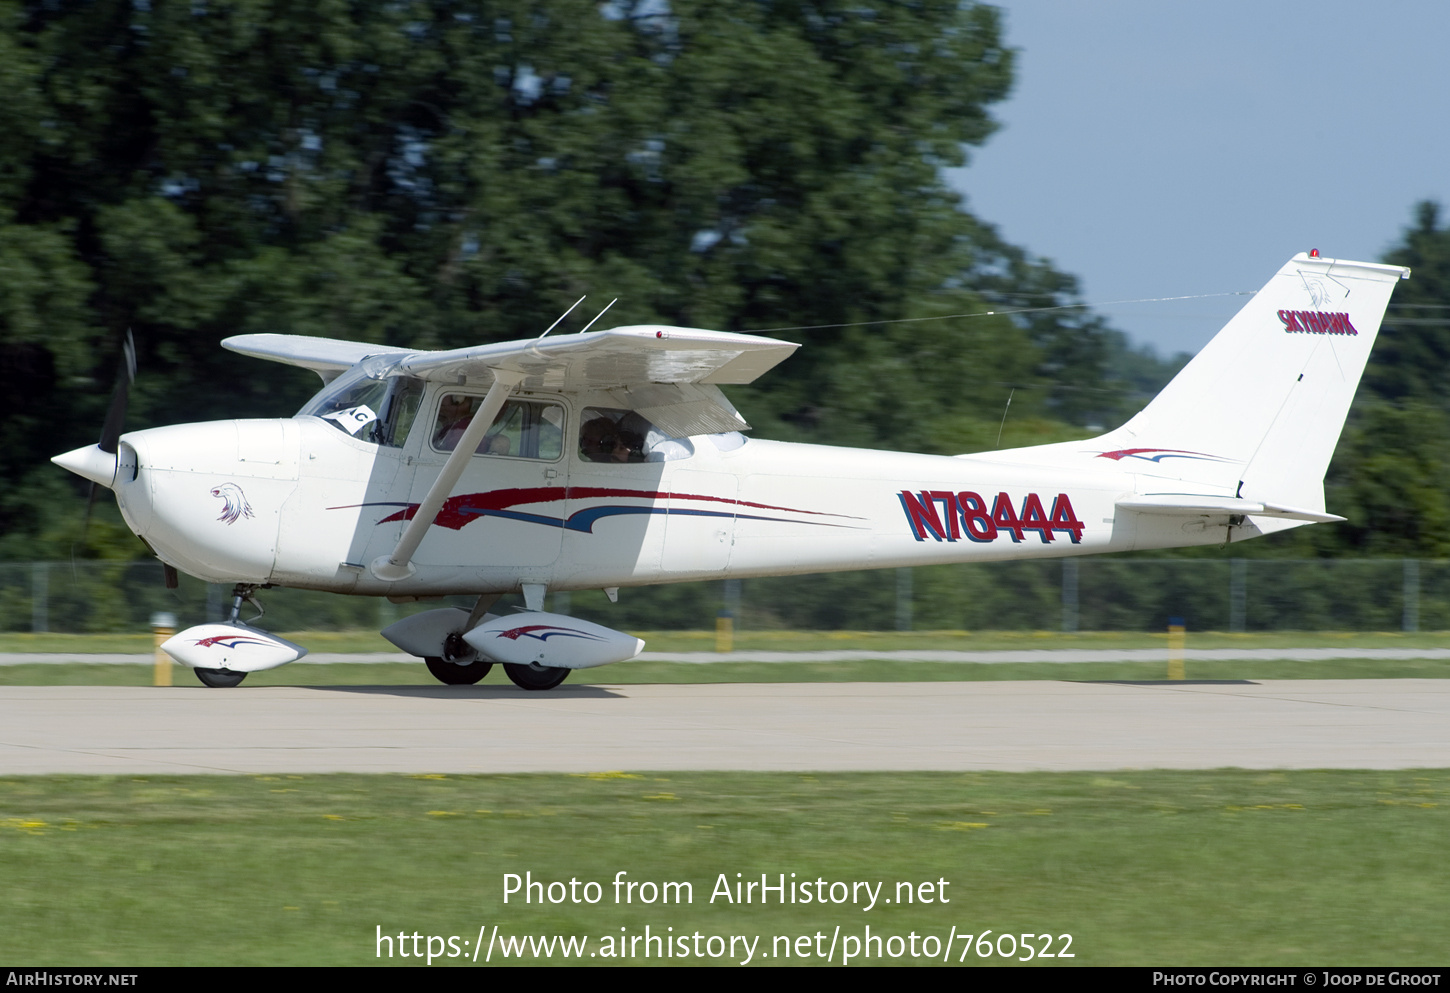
[(234, 503)]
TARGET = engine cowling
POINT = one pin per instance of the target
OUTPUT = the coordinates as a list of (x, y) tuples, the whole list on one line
[(555, 640)]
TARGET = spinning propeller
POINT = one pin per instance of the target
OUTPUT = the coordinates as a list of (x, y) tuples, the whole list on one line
[(98, 463)]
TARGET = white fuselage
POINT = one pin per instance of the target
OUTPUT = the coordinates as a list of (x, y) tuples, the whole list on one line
[(299, 502)]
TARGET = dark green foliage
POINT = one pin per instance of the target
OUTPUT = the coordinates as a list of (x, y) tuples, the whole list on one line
[(1391, 473), (1413, 353), (449, 173), (439, 174)]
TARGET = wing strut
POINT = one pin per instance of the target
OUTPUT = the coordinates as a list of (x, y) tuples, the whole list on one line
[(398, 565)]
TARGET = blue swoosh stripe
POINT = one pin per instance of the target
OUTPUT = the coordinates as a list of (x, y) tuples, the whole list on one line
[(583, 521)]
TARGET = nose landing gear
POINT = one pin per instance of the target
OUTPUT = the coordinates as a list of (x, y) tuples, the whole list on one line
[(226, 678)]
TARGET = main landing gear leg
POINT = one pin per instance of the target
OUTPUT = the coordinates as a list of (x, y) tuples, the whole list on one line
[(459, 665), (454, 667)]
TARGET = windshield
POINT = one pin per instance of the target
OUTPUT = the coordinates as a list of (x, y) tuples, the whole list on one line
[(376, 410)]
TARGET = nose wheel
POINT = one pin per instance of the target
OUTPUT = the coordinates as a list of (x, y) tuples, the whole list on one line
[(534, 676), (219, 678)]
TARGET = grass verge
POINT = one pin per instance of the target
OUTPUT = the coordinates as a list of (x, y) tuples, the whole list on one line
[(1172, 868)]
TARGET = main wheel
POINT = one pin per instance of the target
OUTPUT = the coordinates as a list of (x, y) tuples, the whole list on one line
[(534, 676), (219, 678), (456, 674)]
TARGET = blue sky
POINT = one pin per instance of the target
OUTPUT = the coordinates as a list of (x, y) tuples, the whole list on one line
[(1164, 148)]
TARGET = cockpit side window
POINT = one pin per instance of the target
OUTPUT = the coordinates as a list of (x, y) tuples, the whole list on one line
[(526, 429), (403, 403), (608, 435)]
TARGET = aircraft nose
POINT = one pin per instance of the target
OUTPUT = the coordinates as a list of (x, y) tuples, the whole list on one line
[(91, 463)]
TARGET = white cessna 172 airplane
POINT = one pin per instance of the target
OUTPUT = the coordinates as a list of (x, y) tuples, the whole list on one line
[(611, 458)]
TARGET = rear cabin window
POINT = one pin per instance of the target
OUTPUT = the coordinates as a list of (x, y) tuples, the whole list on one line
[(609, 435)]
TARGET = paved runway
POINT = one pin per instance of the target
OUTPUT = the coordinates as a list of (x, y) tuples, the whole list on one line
[(1365, 724)]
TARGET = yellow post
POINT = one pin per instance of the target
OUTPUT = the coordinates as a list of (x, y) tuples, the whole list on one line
[(1177, 638), (163, 626), (724, 632)]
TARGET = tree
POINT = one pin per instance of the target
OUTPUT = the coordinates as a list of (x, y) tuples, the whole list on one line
[(1412, 356), (447, 172), (1391, 475)]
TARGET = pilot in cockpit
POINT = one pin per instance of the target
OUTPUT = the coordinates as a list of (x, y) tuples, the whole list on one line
[(602, 440), (455, 413)]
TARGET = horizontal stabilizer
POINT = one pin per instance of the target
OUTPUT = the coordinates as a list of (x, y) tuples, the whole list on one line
[(1196, 504)]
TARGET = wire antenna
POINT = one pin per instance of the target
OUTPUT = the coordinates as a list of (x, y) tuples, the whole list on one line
[(1007, 313), (599, 315), (563, 315), (1004, 419)]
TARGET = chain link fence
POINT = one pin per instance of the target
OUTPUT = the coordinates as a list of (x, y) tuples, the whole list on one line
[(1094, 594)]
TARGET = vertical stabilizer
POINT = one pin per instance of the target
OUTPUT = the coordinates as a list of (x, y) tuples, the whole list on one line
[(1262, 405)]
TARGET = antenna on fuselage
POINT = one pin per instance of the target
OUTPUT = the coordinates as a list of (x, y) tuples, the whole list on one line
[(564, 315), (599, 315), (1004, 416)]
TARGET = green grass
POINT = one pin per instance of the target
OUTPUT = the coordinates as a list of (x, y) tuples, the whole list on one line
[(1165, 868)]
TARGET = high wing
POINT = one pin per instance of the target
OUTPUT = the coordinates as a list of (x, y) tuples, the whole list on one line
[(619, 357), (670, 375)]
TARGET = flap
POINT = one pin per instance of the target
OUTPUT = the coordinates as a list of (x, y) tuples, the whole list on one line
[(684, 409)]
